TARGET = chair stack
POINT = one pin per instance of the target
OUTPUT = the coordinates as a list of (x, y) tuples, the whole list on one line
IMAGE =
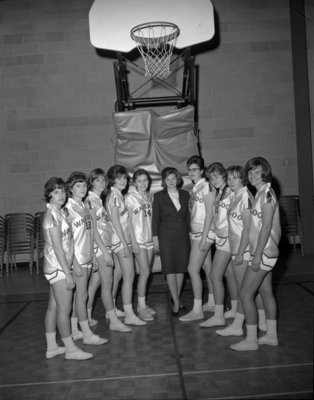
[(20, 239), (290, 220), (2, 244), (39, 238)]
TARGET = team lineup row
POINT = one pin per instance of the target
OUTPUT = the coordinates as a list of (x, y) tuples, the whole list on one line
[(94, 223)]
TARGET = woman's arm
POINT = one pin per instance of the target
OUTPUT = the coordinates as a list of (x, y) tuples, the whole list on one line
[(155, 223), (118, 228), (135, 246), (209, 209), (99, 242), (244, 241), (56, 239), (267, 222)]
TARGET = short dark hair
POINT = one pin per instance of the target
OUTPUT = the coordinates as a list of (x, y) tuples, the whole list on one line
[(198, 160), (52, 184), (75, 177), (255, 162), (94, 174), (218, 168), (238, 172), (168, 171), (142, 171)]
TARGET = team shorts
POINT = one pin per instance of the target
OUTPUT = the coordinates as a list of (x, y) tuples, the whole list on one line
[(115, 248), (267, 263), (98, 252), (87, 266), (222, 244), (210, 238), (146, 246), (55, 276), (246, 256)]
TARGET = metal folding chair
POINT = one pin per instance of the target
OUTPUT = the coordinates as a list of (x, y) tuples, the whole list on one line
[(19, 229), (39, 238), (290, 220), (2, 245)]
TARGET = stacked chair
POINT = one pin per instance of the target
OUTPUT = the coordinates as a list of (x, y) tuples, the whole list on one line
[(39, 238), (290, 220), (2, 244), (20, 238)]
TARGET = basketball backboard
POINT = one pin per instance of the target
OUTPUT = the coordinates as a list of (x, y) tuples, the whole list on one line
[(110, 21)]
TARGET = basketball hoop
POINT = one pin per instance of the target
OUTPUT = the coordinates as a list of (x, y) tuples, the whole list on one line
[(155, 42)]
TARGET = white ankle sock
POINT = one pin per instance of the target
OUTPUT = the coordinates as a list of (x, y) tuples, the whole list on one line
[(197, 306), (51, 340), (112, 316), (238, 321), (234, 304), (271, 327), (141, 302), (219, 311), (68, 343), (74, 324), (251, 331), (128, 309), (85, 328)]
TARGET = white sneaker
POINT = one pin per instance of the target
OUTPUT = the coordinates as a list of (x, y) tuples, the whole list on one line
[(229, 314), (145, 315), (229, 331), (150, 310), (77, 335), (55, 352), (270, 341), (94, 339), (213, 321), (208, 307), (119, 313), (191, 316), (262, 327), (77, 354), (134, 320), (92, 322), (244, 345), (119, 327)]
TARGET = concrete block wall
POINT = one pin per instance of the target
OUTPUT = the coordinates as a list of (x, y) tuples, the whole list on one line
[(57, 94)]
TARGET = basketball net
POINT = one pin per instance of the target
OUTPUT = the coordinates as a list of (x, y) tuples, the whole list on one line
[(155, 42)]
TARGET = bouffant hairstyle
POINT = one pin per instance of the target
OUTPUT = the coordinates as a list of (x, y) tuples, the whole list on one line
[(255, 162), (168, 171), (52, 184), (140, 172)]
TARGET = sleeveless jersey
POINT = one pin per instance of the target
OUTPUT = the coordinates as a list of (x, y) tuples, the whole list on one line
[(221, 206), (141, 216), (197, 206), (240, 201), (56, 218), (104, 226), (115, 199), (82, 227), (264, 196)]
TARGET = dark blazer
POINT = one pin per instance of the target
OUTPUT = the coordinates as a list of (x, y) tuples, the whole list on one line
[(166, 218)]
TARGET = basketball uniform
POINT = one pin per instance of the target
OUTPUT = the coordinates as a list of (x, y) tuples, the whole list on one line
[(265, 195), (240, 201), (56, 218), (82, 227), (116, 199), (141, 217), (104, 226), (220, 221), (198, 210)]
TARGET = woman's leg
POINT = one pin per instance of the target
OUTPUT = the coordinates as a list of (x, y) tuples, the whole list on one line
[(127, 268), (51, 327), (81, 308), (117, 276), (233, 291), (106, 277), (268, 299), (195, 263), (179, 279), (143, 262), (251, 282), (220, 264), (207, 266), (93, 285), (173, 289)]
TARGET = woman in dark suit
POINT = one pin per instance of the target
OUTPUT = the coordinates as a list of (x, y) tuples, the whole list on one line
[(171, 221)]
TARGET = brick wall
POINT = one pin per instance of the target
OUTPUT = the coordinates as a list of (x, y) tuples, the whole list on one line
[(57, 94)]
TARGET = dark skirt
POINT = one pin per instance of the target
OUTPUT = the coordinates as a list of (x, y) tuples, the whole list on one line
[(174, 251)]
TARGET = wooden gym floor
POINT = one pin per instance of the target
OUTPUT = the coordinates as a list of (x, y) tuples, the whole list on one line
[(166, 359)]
